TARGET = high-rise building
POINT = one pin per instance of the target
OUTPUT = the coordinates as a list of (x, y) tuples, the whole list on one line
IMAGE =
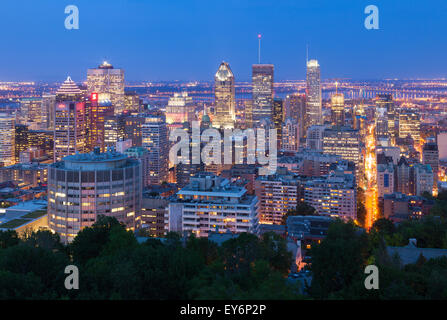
[(142, 154), (107, 80), (295, 108), (313, 95), (334, 195), (100, 109), (262, 86), (338, 109), (48, 105), (402, 184), (21, 140), (70, 127), (278, 118), (430, 156), (381, 128), (132, 102), (421, 176), (155, 138), (409, 125), (385, 101), (7, 139), (180, 109), (290, 135), (385, 179), (277, 195), (210, 203), (30, 113), (83, 186), (224, 97)]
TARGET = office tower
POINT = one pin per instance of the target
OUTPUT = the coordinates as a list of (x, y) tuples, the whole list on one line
[(107, 80), (180, 109), (113, 132), (30, 113), (262, 86), (421, 179), (313, 95), (83, 186), (409, 125), (403, 176), (333, 195), (100, 109), (345, 142), (7, 139), (338, 109), (290, 135), (277, 194), (21, 140), (430, 156), (155, 138), (132, 102), (381, 129), (141, 154), (278, 119), (385, 101), (70, 127), (385, 179), (224, 97), (295, 108), (48, 105), (43, 139), (314, 137), (248, 113), (210, 203)]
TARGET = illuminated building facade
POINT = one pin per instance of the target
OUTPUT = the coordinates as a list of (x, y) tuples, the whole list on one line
[(83, 186), (180, 109), (385, 101), (313, 93), (277, 195), (70, 127), (48, 105), (430, 156), (142, 154), (295, 108), (224, 97), (21, 140), (107, 80), (345, 142), (334, 195), (290, 135), (132, 103), (31, 113), (7, 139), (338, 109), (262, 86), (100, 109), (155, 139), (410, 125), (212, 204)]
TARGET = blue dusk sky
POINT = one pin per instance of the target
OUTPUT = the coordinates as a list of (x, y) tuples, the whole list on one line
[(187, 39)]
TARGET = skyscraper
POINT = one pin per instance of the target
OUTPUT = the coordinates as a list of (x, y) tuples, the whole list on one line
[(338, 109), (100, 109), (385, 101), (180, 109), (262, 82), (430, 156), (106, 79), (224, 97), (313, 93), (70, 134), (7, 139), (295, 108), (155, 138)]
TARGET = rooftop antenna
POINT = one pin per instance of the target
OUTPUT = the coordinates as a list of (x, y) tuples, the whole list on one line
[(259, 48)]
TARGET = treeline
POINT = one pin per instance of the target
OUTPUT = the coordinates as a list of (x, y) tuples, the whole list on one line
[(114, 265)]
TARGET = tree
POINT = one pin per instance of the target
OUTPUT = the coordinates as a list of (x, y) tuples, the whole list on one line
[(8, 238), (302, 209)]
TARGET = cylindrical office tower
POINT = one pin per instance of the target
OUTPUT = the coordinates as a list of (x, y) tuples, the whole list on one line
[(83, 186)]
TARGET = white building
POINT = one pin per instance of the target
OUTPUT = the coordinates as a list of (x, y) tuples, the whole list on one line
[(210, 203), (385, 179)]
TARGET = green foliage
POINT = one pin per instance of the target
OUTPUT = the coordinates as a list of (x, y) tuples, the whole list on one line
[(302, 209)]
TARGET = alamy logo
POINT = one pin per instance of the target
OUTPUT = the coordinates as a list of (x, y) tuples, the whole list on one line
[(72, 280), (372, 280), (372, 21), (72, 20), (237, 143)]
